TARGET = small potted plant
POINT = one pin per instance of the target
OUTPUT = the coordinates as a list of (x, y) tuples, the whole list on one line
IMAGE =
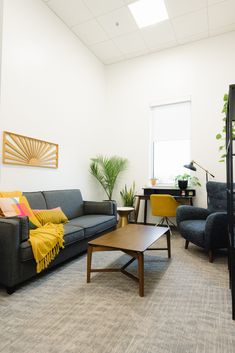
[(153, 181), (128, 198), (182, 181)]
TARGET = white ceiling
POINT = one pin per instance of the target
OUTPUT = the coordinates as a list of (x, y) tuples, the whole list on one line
[(108, 29)]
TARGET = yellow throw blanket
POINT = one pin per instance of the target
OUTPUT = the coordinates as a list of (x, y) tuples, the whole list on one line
[(46, 242)]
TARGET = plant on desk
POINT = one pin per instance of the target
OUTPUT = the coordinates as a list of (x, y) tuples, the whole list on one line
[(182, 181)]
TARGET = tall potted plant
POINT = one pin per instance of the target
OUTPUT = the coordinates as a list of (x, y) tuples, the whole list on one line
[(106, 170)]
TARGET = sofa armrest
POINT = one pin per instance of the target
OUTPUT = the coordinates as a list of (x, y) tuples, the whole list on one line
[(13, 231), (216, 231), (186, 213), (23, 226), (103, 207)]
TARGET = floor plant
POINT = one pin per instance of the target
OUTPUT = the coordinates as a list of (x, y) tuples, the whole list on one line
[(106, 171)]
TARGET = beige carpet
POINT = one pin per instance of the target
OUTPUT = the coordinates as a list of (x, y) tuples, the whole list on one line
[(186, 308)]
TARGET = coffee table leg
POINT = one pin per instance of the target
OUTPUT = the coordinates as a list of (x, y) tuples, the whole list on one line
[(89, 258), (168, 239), (141, 273)]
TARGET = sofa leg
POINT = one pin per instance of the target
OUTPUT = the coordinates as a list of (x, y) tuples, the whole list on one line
[(211, 256), (10, 290), (186, 244)]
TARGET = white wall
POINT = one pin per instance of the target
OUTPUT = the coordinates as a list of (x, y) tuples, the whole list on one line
[(53, 89), (202, 70)]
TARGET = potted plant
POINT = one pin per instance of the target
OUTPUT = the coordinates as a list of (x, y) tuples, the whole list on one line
[(106, 170), (183, 180), (128, 199), (128, 195), (153, 181)]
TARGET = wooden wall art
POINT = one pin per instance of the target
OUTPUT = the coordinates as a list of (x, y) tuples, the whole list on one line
[(23, 150)]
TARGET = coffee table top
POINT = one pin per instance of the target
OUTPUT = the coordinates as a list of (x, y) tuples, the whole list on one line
[(134, 237)]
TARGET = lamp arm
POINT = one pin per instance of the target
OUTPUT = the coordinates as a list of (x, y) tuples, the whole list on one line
[(203, 169)]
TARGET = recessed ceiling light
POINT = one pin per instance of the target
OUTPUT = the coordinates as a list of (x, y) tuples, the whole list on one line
[(148, 12)]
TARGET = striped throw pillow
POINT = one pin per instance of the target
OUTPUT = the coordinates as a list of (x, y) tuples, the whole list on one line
[(55, 215)]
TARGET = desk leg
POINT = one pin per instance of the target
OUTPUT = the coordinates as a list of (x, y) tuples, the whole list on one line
[(145, 210), (137, 209)]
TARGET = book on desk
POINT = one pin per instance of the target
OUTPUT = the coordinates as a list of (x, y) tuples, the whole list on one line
[(185, 195)]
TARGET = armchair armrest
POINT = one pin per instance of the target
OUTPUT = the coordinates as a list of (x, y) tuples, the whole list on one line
[(102, 207), (185, 213), (216, 231)]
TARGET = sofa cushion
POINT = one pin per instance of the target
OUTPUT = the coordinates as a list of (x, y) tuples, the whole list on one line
[(72, 234), (94, 224), (196, 229), (70, 201), (36, 199)]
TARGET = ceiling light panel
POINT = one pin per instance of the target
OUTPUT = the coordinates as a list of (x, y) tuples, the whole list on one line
[(148, 12)]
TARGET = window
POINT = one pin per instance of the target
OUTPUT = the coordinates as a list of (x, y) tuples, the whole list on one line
[(170, 140)]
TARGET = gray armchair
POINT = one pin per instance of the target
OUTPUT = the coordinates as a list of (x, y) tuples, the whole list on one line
[(206, 228)]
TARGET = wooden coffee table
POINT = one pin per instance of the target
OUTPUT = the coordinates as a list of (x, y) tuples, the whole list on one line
[(134, 240)]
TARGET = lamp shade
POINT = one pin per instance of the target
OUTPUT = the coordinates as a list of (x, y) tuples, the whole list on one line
[(190, 166)]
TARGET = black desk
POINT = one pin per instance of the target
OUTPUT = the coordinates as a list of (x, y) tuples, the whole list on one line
[(183, 196)]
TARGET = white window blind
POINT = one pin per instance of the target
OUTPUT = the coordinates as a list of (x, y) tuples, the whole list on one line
[(170, 140)]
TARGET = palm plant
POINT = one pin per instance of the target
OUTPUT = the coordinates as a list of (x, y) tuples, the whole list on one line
[(106, 171), (128, 196)]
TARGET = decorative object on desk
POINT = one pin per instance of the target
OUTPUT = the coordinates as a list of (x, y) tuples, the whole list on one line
[(222, 135), (192, 167), (106, 171), (23, 150), (182, 181), (153, 181)]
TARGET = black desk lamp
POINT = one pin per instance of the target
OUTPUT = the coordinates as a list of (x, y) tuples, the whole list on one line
[(192, 167)]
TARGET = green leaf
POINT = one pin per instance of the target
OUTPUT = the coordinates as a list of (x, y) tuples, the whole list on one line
[(221, 148), (225, 97), (218, 136)]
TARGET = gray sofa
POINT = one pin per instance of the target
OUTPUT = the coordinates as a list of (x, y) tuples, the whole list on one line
[(87, 220)]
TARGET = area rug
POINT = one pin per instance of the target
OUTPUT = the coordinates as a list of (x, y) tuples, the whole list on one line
[(186, 308)]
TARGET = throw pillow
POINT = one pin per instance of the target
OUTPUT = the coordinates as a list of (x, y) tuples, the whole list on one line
[(18, 207), (27, 211), (55, 215), (10, 193), (7, 206)]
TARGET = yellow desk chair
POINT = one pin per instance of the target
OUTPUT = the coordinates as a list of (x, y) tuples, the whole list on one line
[(164, 206)]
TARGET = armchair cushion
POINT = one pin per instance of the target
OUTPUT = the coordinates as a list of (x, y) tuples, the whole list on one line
[(193, 231)]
